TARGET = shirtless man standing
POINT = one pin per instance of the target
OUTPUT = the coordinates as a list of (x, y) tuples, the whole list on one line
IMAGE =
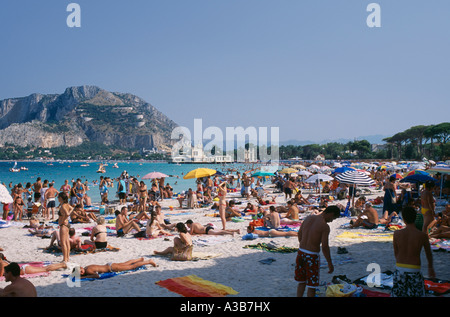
[(50, 199), (19, 287), (197, 228), (313, 233), (37, 189), (408, 244)]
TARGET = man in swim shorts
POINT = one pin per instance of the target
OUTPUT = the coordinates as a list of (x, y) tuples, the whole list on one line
[(408, 243), (313, 234)]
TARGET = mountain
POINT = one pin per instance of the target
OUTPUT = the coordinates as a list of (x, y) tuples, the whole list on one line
[(80, 114), (373, 139)]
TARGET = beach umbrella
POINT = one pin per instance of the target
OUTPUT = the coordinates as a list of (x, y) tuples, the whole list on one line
[(199, 173), (304, 173), (154, 175), (343, 169), (288, 170), (442, 169), (314, 167), (420, 172), (319, 177), (417, 178), (262, 174), (397, 176), (355, 178), (298, 166), (5, 196)]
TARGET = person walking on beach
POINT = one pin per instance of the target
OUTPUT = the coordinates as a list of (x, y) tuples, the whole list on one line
[(313, 233), (63, 222), (37, 189), (408, 244)]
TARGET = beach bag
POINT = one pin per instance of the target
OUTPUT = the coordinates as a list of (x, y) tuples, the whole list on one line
[(340, 290)]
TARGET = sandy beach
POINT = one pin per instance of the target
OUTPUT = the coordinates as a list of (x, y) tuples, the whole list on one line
[(228, 261)]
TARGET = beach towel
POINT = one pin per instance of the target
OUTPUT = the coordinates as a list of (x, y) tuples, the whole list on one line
[(194, 286), (85, 249), (441, 245), (212, 240), (432, 286), (107, 275), (36, 264), (369, 236), (271, 248)]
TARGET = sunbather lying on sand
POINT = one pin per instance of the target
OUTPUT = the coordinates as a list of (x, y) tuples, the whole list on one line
[(271, 233), (93, 271)]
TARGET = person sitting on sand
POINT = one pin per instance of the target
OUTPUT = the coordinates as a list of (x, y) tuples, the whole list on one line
[(161, 220), (99, 235), (94, 270), (250, 209), (153, 228), (78, 215), (230, 211), (272, 219), (19, 286), (125, 224), (368, 218), (292, 211), (181, 244), (272, 233), (197, 228)]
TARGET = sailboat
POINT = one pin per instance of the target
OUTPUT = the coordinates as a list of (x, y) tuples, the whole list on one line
[(14, 169), (101, 169)]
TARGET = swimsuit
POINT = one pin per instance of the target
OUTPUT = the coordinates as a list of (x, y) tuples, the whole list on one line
[(307, 268), (208, 228), (408, 281), (101, 245), (424, 210), (369, 225)]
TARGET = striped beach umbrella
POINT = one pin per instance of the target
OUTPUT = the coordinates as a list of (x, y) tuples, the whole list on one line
[(417, 171), (355, 178)]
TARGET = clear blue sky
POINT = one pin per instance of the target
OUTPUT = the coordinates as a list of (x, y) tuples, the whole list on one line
[(312, 68)]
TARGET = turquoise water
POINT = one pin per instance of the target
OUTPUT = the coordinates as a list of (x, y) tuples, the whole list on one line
[(60, 171)]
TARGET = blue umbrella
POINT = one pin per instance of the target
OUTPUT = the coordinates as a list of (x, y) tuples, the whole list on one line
[(417, 178), (262, 173), (343, 169)]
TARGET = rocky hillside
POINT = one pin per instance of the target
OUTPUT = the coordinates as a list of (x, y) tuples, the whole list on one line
[(85, 113)]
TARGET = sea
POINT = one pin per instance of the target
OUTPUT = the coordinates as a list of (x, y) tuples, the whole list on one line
[(59, 171)]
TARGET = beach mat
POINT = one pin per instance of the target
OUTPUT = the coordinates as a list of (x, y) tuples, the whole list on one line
[(366, 236), (194, 286), (85, 249), (271, 248), (103, 276), (35, 264)]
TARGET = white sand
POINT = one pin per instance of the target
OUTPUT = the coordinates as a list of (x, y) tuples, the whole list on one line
[(236, 267)]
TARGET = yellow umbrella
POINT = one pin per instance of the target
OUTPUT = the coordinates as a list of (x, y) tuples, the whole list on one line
[(299, 166), (199, 173), (288, 170)]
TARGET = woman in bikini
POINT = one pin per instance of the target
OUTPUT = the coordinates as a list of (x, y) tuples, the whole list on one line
[(93, 271), (98, 235), (153, 228), (30, 268), (18, 207), (143, 196), (222, 193), (63, 222), (427, 205), (181, 244)]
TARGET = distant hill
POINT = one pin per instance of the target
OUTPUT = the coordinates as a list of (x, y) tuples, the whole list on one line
[(84, 113), (373, 139)]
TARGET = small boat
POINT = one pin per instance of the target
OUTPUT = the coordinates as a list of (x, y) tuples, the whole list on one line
[(101, 169), (23, 168), (84, 165), (14, 168), (115, 165)]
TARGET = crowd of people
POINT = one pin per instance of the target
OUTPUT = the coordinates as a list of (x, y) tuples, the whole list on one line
[(322, 205)]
